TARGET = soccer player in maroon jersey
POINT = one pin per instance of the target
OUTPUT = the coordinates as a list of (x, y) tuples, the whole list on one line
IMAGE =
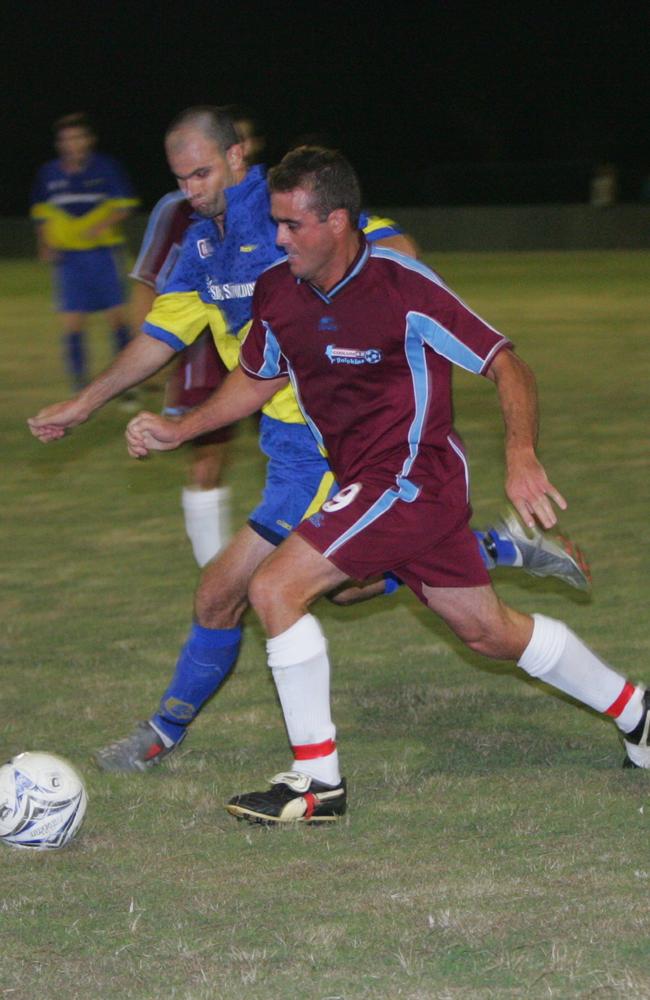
[(368, 338)]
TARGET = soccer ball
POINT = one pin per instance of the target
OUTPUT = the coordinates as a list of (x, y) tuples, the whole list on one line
[(42, 801)]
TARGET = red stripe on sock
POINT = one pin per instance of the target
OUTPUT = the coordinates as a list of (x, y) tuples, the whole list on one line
[(617, 706), (308, 751)]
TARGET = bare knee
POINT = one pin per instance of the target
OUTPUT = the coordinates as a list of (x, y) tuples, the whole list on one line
[(266, 591), (218, 603), (503, 638)]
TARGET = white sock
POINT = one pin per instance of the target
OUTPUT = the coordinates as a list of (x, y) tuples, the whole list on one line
[(301, 671), (557, 656), (207, 521)]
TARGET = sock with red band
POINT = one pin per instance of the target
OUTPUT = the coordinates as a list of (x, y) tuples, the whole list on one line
[(558, 657), (301, 671)]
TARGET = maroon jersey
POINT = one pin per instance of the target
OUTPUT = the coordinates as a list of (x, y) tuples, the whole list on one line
[(199, 369), (162, 240), (371, 362)]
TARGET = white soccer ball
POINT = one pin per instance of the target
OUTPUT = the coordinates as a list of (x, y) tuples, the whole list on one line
[(42, 801)]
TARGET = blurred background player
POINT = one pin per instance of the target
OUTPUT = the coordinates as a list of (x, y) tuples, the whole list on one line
[(78, 201), (199, 370)]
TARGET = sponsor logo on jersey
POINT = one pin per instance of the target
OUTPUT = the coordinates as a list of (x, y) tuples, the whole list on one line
[(205, 248), (248, 248), (230, 291), (350, 356), (327, 324)]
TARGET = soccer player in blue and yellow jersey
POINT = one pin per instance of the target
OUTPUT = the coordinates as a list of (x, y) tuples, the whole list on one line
[(222, 256), (78, 202), (199, 370)]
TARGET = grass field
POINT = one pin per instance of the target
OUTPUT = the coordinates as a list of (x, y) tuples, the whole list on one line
[(494, 848)]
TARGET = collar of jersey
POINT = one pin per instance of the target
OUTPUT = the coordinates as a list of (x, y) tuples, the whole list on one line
[(354, 269), (237, 196)]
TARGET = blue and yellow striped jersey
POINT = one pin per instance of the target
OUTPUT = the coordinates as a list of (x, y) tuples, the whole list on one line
[(70, 205)]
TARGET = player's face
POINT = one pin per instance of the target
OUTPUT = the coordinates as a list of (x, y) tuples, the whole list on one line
[(74, 145), (202, 170), (308, 241)]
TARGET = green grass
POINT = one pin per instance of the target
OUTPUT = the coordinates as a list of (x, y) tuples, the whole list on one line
[(493, 848)]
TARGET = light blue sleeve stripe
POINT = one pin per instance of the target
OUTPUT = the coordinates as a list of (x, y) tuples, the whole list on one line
[(444, 343), (270, 367), (409, 263)]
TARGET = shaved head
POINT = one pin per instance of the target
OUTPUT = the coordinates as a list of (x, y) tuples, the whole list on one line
[(215, 123)]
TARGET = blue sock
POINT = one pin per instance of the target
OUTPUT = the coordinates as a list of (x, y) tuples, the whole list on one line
[(204, 662), (74, 354), (121, 338), (392, 583), (495, 550)]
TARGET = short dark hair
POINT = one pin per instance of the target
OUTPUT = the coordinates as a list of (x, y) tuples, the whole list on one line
[(216, 123), (79, 119), (325, 173)]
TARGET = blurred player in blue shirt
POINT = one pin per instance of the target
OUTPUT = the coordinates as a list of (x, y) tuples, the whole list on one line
[(78, 201)]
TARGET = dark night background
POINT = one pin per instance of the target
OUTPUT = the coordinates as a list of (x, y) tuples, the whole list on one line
[(437, 102)]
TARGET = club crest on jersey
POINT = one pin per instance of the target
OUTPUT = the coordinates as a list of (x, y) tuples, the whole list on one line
[(205, 248), (327, 324), (349, 356)]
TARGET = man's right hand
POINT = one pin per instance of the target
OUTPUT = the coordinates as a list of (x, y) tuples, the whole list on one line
[(52, 422), (150, 432)]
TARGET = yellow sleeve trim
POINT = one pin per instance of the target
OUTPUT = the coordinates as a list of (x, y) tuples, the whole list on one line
[(181, 314)]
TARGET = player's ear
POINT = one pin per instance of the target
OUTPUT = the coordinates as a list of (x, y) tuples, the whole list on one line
[(338, 220), (235, 156)]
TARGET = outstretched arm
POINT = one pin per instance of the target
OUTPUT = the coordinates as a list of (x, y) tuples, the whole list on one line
[(140, 358), (238, 397), (527, 485)]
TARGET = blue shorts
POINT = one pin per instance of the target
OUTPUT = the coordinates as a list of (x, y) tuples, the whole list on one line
[(89, 280), (298, 479)]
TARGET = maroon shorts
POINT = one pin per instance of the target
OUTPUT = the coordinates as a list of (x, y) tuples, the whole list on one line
[(367, 529), (198, 372)]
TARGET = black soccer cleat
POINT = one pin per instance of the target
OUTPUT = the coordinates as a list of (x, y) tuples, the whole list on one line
[(292, 798), (636, 743)]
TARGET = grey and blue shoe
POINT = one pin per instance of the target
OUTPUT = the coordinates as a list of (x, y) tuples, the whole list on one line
[(541, 554), (139, 751)]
